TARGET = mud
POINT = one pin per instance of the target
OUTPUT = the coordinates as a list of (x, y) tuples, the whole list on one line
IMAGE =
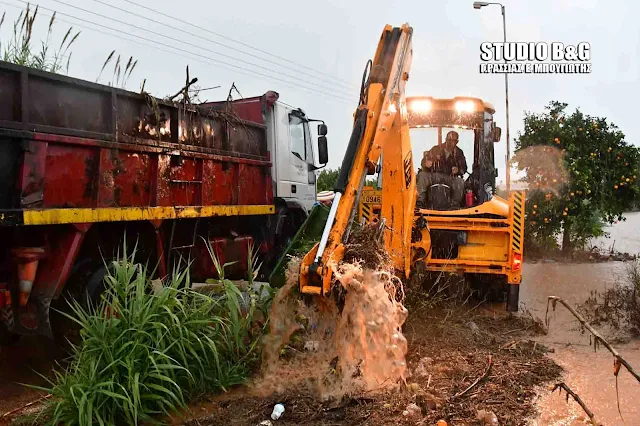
[(365, 247), (448, 350), (20, 364)]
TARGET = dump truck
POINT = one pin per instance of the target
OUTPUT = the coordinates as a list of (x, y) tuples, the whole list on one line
[(84, 166), (482, 241)]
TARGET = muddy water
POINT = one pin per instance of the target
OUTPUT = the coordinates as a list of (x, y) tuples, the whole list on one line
[(365, 339), (589, 374)]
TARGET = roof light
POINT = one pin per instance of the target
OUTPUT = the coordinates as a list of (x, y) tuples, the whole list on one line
[(464, 106), (421, 106)]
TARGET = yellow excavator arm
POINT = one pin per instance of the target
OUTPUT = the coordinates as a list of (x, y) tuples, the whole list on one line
[(380, 132)]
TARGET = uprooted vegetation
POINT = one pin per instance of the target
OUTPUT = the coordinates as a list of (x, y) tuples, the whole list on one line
[(618, 306), (460, 361), (148, 349), (365, 245), (448, 352)]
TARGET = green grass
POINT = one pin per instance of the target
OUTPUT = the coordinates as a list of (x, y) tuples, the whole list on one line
[(20, 48), (158, 351)]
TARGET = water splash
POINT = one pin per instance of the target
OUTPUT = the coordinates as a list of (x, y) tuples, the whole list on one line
[(360, 349)]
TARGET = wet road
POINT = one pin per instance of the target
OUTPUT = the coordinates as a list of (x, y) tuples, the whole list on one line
[(589, 374)]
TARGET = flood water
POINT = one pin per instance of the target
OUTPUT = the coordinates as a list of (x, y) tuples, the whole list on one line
[(588, 373)]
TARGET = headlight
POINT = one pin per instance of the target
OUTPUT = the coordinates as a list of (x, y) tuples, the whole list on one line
[(465, 106), (421, 106)]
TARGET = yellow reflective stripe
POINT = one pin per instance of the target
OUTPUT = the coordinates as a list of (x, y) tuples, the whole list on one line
[(118, 214)]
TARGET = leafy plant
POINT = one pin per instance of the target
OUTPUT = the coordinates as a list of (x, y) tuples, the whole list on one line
[(146, 350), (20, 50)]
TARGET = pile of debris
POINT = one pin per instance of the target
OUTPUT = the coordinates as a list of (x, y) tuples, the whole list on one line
[(366, 246), (463, 368)]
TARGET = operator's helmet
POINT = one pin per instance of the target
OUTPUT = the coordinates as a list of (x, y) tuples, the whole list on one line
[(452, 136)]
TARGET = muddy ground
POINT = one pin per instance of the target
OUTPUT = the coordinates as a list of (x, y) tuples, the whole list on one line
[(449, 350)]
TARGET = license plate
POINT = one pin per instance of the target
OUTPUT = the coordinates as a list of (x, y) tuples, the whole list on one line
[(372, 199)]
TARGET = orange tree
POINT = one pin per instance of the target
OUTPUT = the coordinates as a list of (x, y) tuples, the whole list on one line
[(581, 174)]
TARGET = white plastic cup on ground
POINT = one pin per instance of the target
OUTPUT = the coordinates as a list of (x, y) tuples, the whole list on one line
[(278, 409)]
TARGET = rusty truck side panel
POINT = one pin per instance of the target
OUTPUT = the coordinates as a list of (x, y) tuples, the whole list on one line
[(82, 164)]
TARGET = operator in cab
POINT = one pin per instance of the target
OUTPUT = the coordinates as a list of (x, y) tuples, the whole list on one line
[(443, 164)]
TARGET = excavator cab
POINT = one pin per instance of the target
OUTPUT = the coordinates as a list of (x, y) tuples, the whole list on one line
[(478, 237), (472, 119)]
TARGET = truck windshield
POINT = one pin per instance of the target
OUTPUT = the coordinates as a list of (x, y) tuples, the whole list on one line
[(297, 134)]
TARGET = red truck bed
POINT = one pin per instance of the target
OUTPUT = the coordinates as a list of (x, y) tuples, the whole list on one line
[(73, 151)]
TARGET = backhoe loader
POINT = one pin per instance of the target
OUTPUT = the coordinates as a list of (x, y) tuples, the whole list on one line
[(482, 242)]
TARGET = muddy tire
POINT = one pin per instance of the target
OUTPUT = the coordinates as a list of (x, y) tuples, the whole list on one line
[(85, 286)]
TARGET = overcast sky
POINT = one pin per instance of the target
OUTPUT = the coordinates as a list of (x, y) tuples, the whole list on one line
[(337, 38)]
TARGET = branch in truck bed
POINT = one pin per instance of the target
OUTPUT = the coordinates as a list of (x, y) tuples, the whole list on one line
[(185, 88)]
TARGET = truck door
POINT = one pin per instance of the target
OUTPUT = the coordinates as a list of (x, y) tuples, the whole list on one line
[(302, 178)]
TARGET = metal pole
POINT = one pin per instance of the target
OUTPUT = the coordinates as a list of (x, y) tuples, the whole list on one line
[(506, 92)]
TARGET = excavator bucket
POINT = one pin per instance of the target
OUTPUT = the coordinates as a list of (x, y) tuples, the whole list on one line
[(304, 240)]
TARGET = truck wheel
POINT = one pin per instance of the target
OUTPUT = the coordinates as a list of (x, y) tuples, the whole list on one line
[(84, 286)]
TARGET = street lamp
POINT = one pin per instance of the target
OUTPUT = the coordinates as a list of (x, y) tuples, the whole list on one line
[(478, 5)]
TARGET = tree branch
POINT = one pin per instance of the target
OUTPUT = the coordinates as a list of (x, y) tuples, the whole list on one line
[(619, 360), (478, 380), (575, 396)]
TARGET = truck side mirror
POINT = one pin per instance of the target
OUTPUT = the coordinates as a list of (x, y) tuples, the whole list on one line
[(323, 150), (497, 132), (322, 129)]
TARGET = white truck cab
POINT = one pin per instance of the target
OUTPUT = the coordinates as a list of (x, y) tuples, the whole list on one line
[(293, 149)]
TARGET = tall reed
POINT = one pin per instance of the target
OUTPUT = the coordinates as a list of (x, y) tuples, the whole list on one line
[(20, 48)]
